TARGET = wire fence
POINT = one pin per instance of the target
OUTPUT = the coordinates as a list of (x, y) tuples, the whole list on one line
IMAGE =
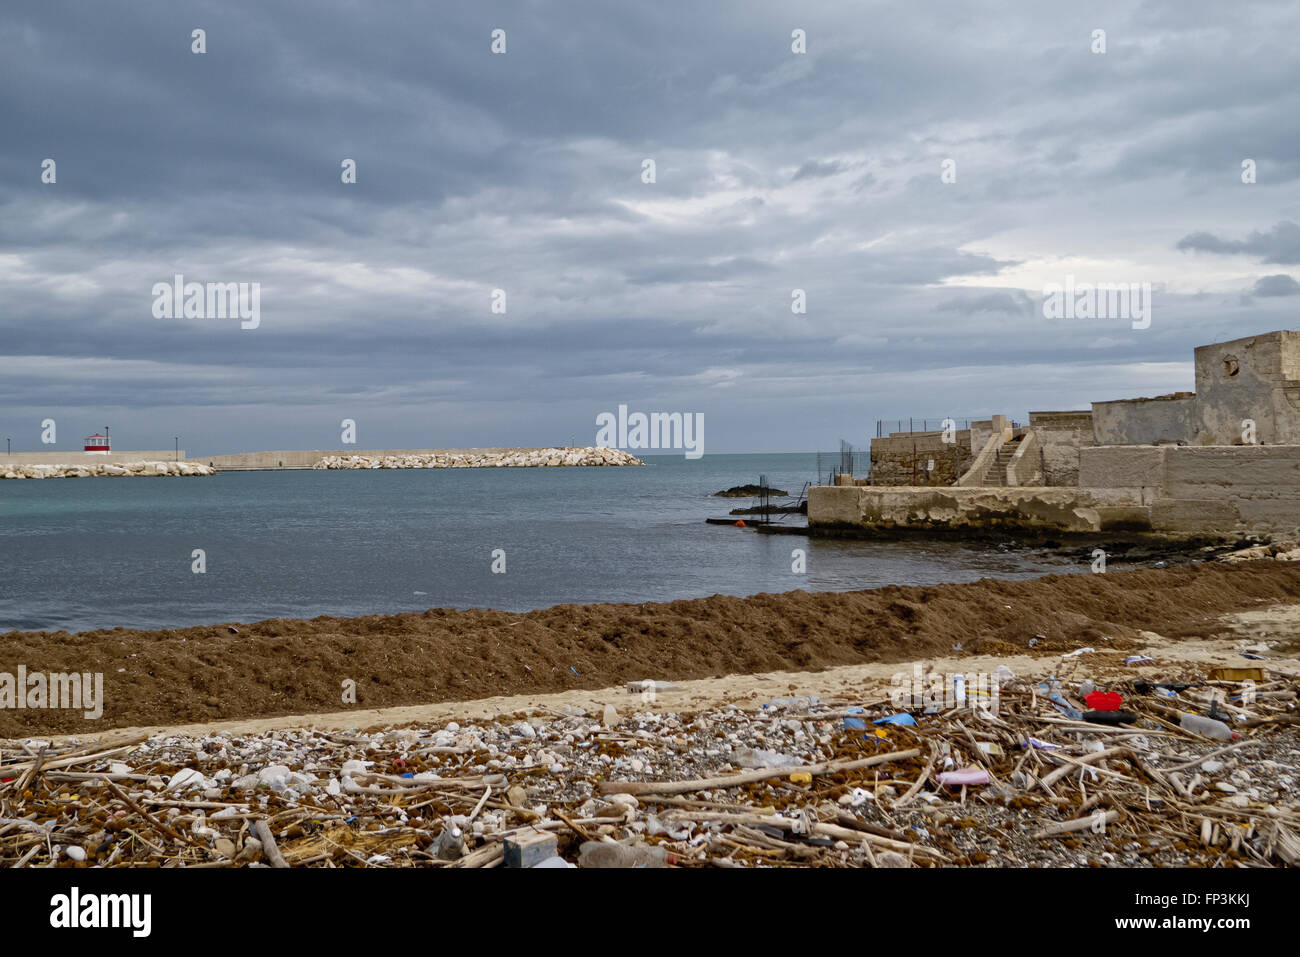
[(851, 461), (886, 427)]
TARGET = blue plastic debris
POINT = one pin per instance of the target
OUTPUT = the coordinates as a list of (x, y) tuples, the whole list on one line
[(854, 724), (900, 719)]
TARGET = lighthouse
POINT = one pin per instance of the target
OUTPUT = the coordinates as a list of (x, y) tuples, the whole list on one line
[(97, 444)]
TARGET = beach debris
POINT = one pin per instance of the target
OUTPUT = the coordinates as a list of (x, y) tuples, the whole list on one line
[(529, 849), (964, 777), (1104, 700), (1079, 651), (1207, 727), (612, 854), (1137, 659), (901, 719), (758, 758), (1238, 674), (784, 785)]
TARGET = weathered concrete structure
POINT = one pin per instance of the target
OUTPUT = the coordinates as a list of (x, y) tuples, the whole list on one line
[(1221, 462), (78, 457), (882, 508), (1251, 380)]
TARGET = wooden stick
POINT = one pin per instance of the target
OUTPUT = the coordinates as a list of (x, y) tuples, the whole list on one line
[(749, 777), (1080, 824), (1076, 763), (263, 832)]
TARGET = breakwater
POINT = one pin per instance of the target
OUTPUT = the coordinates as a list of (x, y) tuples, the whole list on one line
[(484, 458), (102, 469)]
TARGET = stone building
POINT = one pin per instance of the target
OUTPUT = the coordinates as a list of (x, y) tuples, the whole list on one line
[(1220, 462)]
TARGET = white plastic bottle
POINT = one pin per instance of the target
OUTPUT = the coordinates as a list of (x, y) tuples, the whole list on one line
[(1208, 727)]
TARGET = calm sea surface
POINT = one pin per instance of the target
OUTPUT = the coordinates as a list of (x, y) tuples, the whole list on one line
[(78, 554)]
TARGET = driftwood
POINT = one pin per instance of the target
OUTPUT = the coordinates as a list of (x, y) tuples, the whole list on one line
[(269, 847), (1079, 824), (749, 777)]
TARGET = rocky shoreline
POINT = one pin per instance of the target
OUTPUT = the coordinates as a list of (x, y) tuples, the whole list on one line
[(521, 458), (102, 469)]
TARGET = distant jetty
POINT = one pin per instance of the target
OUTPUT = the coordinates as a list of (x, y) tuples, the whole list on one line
[(497, 458), (73, 465), (104, 469)]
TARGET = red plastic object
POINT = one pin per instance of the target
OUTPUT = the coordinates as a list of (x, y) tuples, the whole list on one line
[(1104, 700)]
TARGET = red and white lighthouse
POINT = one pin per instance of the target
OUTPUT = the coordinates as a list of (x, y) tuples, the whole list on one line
[(97, 444)]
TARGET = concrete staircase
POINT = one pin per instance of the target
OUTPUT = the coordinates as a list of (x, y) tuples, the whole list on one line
[(996, 472)]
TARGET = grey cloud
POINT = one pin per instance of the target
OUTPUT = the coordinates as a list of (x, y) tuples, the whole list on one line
[(1279, 285), (522, 172), (1280, 245)]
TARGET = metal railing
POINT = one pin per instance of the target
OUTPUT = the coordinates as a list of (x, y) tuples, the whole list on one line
[(886, 427)]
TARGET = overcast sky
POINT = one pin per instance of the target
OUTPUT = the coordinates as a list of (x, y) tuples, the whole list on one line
[(522, 171)]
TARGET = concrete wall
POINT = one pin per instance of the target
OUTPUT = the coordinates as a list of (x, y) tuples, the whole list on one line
[(1058, 437), (902, 457), (982, 430), (1218, 491), (967, 509), (1231, 491), (1224, 492), (77, 457), (1255, 378), (1144, 421)]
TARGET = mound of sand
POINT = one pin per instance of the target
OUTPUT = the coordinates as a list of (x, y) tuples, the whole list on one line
[(296, 666)]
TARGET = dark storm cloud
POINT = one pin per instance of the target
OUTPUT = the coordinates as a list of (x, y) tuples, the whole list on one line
[(1279, 285), (1280, 245), (523, 172)]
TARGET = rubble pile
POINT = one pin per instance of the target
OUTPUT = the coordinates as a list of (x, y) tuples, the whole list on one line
[(1033, 777)]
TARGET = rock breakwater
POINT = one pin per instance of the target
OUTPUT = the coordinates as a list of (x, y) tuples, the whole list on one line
[(510, 458), (100, 469)]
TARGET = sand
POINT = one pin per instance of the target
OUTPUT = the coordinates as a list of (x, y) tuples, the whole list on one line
[(441, 658)]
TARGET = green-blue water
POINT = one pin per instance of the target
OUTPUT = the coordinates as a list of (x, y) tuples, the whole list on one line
[(78, 554)]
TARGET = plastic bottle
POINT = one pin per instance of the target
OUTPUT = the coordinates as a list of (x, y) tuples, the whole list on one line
[(1208, 727), (604, 854)]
